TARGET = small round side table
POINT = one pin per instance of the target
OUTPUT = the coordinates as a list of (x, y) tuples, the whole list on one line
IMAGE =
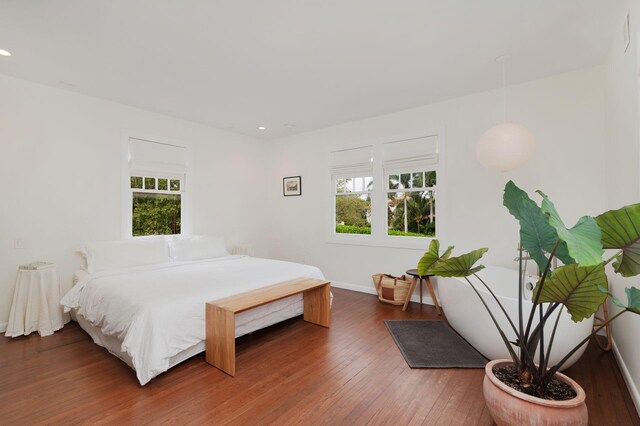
[(36, 302), (417, 278)]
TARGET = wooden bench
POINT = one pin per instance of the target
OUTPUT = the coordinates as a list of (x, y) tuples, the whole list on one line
[(221, 315)]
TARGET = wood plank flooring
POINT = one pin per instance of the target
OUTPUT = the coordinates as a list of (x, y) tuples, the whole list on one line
[(290, 373)]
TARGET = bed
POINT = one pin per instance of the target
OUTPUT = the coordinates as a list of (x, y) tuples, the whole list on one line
[(152, 315)]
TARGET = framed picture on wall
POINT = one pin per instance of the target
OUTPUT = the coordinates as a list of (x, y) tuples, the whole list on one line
[(291, 185)]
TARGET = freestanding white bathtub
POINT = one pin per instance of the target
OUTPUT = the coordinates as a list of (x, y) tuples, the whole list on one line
[(467, 315)]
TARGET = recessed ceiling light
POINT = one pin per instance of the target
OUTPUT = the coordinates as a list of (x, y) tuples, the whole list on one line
[(262, 128), (289, 126), (4, 52)]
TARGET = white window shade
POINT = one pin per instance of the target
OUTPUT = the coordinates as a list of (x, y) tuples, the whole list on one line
[(156, 159), (354, 162), (410, 154)]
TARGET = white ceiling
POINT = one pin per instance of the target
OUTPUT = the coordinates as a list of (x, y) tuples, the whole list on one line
[(240, 64)]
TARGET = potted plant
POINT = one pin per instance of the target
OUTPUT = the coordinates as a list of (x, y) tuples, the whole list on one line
[(526, 389)]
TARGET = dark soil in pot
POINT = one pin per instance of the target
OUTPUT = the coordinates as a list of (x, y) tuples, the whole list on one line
[(557, 390)]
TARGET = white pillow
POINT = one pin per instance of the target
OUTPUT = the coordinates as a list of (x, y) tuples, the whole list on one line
[(196, 247), (110, 255)]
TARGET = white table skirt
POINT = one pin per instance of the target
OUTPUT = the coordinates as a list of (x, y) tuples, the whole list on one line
[(36, 304)]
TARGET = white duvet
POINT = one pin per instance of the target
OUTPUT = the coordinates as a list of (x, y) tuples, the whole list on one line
[(158, 311)]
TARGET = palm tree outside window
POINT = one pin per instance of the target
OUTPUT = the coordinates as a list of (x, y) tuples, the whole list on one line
[(411, 204)]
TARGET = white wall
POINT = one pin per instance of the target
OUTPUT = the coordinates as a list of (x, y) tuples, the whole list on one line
[(623, 175), (566, 115), (60, 156), (60, 171)]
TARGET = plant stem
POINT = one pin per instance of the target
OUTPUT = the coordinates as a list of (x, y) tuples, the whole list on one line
[(613, 257), (521, 344), (533, 337), (539, 288), (554, 305), (559, 365), (541, 358), (495, 322), (553, 335), (504, 311), (534, 334)]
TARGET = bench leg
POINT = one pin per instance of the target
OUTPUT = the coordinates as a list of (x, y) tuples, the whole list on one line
[(317, 305), (221, 339)]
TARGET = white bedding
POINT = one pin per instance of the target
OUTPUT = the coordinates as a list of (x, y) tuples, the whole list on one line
[(158, 311)]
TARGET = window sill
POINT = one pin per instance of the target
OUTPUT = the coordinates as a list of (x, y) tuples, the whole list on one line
[(410, 243)]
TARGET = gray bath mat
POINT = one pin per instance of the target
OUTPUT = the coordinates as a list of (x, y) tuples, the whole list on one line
[(433, 344)]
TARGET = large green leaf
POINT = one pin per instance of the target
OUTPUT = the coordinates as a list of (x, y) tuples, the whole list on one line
[(432, 256), (536, 235), (583, 240), (633, 299), (461, 266), (621, 230), (633, 296), (576, 287)]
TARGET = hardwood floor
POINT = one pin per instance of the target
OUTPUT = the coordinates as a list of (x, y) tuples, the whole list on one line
[(291, 373)]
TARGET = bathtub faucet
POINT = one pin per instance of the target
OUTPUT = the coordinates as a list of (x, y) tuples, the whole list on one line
[(526, 256)]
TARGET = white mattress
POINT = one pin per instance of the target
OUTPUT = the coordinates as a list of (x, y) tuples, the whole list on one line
[(152, 317)]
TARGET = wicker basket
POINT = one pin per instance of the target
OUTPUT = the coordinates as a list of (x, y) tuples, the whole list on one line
[(391, 289)]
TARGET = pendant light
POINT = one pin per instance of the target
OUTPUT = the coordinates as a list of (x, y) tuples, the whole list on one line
[(508, 145)]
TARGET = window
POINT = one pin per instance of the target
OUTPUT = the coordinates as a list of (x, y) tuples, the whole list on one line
[(385, 193), (353, 204), (411, 204), (409, 167), (156, 188), (352, 183), (155, 209)]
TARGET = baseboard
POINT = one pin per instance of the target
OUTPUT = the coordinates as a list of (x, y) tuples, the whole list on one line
[(633, 389), (426, 299), (3, 326), (354, 287)]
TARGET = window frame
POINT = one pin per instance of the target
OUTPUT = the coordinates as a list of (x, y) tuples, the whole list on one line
[(127, 191), (335, 193), (379, 226), (388, 190)]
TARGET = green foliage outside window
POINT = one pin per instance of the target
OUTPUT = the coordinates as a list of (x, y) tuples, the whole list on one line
[(420, 218), (352, 210), (136, 182), (412, 213), (348, 229), (430, 179), (395, 232), (156, 214), (410, 199)]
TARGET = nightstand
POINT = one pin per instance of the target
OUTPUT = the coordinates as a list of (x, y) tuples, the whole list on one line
[(36, 302)]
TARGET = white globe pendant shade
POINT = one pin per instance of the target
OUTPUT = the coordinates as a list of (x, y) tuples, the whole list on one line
[(505, 147)]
